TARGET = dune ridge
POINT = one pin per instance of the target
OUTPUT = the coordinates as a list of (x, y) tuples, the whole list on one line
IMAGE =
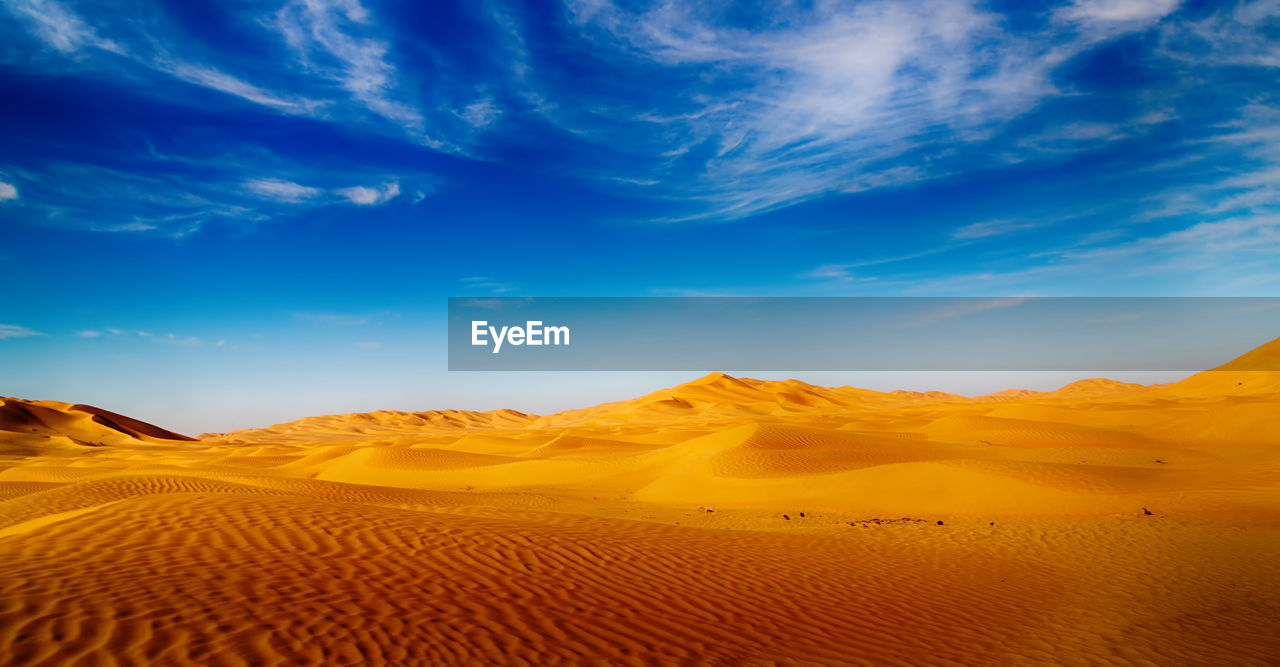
[(722, 521)]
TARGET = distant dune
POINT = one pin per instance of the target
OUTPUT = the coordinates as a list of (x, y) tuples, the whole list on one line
[(722, 521), (33, 427)]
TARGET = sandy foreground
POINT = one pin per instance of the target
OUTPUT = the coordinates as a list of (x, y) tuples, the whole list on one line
[(723, 521)]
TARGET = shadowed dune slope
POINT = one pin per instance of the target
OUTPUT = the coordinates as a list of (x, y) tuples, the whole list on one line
[(82, 421)]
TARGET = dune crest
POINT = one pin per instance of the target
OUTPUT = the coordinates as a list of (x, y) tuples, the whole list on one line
[(33, 427), (1255, 373)]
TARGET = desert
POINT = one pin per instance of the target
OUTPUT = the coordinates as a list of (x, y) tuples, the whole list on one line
[(722, 521), (643, 332)]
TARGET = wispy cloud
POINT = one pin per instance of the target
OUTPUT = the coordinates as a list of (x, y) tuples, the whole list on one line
[(105, 199), (366, 196), (838, 272), (280, 190), (953, 309), (163, 339), (68, 32), (844, 97), (1118, 11), (331, 40), (1241, 34), (703, 111), (59, 27), (334, 61), (1073, 137), (334, 319), (287, 191), (495, 303), (989, 228), (699, 292), (14, 331), (173, 339), (1207, 258), (844, 273), (175, 196), (481, 113), (485, 283), (824, 99), (223, 82), (1250, 186)]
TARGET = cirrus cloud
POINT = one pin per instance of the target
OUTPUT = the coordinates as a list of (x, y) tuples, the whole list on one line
[(14, 331), (281, 190), (365, 196)]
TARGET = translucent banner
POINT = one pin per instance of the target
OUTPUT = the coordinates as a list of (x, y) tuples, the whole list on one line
[(857, 333)]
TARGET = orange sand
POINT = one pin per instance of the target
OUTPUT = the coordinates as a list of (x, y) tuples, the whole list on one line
[(723, 521)]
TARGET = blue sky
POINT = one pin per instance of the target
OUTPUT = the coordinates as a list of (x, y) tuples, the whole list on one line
[(223, 214)]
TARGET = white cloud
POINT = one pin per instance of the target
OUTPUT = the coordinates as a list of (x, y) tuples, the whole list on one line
[(281, 190), (1118, 11), (167, 339), (1072, 135), (989, 228), (133, 226), (7, 191), (823, 100), (96, 198), (328, 38), (486, 283), (60, 27), (174, 195), (835, 96), (954, 309), (1216, 256), (1241, 36), (64, 30), (480, 114), (15, 331), (68, 32), (370, 196), (221, 81), (334, 319), (842, 273), (1266, 177), (1246, 232), (837, 272), (1253, 184), (172, 339)]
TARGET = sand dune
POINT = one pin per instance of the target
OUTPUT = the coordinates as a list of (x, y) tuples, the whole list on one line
[(30, 427), (723, 521)]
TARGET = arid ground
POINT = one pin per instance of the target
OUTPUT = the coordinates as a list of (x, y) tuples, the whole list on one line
[(724, 521)]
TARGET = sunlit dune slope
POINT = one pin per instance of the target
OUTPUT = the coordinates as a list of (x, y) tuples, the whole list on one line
[(34, 427), (384, 421), (1256, 373), (723, 521)]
